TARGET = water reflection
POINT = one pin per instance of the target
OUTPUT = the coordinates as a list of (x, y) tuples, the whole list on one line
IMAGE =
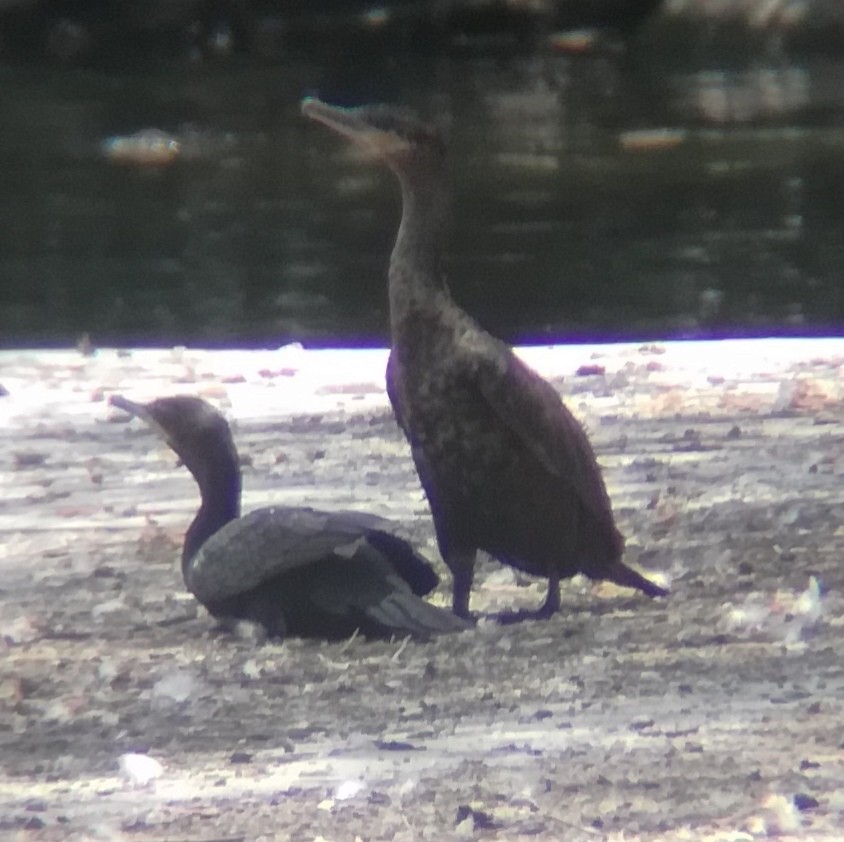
[(594, 196), (746, 96)]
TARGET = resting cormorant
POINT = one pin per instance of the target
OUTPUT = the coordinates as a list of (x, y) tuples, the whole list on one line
[(296, 571), (505, 465)]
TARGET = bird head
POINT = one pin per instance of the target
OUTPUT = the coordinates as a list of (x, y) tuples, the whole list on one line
[(389, 134), (193, 428)]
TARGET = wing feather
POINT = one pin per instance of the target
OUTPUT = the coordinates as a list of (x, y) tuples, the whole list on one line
[(272, 541), (531, 407)]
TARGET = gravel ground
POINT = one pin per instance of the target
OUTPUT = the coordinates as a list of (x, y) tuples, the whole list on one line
[(713, 714)]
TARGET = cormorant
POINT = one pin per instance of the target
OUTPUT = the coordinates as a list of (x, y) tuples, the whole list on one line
[(294, 570), (505, 466)]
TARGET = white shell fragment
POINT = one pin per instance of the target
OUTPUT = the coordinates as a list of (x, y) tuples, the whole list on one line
[(139, 769), (348, 789)]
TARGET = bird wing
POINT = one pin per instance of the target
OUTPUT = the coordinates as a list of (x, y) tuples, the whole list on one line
[(378, 531), (272, 541), (367, 593), (531, 407), (320, 574)]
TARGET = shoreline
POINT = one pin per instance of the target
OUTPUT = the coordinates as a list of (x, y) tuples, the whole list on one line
[(724, 463)]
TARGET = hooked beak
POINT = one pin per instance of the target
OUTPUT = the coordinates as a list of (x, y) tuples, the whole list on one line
[(139, 410), (352, 124)]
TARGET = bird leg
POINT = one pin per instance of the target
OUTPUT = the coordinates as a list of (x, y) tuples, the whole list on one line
[(462, 566), (552, 600)]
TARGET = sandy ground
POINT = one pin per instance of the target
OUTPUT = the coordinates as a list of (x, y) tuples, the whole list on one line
[(714, 714)]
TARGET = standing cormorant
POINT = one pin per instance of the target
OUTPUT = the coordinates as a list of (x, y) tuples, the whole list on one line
[(505, 465), (294, 570)]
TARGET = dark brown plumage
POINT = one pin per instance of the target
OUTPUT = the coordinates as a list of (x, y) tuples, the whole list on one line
[(294, 570), (506, 467)]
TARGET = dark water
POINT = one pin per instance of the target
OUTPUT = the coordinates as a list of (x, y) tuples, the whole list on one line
[(266, 230)]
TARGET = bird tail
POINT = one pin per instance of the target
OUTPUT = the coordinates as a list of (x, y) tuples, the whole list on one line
[(626, 576), (402, 613)]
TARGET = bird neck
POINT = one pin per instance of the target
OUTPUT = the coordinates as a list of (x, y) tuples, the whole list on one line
[(219, 485), (416, 274)]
